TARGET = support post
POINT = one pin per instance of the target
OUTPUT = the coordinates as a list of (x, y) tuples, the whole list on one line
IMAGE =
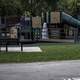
[(0, 20), (21, 46), (0, 47), (76, 40), (6, 45)]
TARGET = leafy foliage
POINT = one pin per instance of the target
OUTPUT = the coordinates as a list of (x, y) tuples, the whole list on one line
[(10, 7), (35, 7), (68, 6)]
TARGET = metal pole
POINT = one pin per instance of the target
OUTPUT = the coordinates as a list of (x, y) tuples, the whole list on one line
[(6, 41), (31, 22), (76, 35), (21, 46)]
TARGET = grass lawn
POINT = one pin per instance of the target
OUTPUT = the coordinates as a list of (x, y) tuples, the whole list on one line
[(51, 52)]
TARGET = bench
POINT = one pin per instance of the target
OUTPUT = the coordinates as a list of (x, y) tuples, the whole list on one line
[(6, 42)]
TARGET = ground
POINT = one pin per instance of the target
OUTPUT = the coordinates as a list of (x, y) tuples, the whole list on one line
[(61, 70), (50, 52)]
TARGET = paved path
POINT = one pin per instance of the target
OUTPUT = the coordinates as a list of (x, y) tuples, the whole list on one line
[(41, 71)]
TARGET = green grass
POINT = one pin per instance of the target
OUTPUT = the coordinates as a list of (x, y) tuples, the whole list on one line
[(51, 52)]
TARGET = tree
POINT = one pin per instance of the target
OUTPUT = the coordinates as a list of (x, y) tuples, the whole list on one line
[(35, 7), (68, 6), (52, 4), (10, 7)]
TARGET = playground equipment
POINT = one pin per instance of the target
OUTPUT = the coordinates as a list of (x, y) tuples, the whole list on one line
[(31, 28), (25, 28), (62, 17), (44, 32), (70, 20), (36, 27), (56, 24)]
